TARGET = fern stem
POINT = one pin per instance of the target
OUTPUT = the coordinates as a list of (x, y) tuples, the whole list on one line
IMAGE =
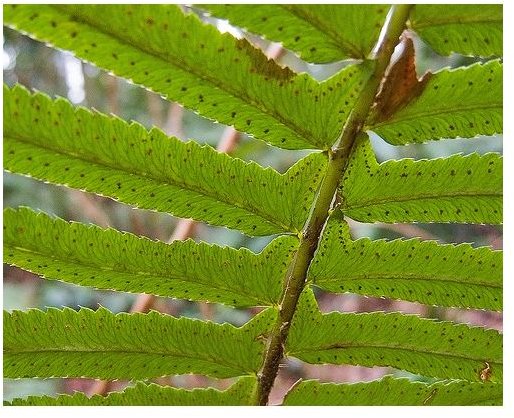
[(338, 159)]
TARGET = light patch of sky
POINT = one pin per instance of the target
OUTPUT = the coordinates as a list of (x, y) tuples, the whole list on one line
[(74, 78), (225, 27), (9, 58)]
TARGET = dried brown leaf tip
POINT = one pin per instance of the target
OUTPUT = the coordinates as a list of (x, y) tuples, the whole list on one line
[(486, 372), (400, 84), (263, 65)]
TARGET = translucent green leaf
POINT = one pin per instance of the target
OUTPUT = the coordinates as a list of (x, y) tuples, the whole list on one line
[(103, 345), (395, 392), (239, 394), (465, 102), (414, 270), (161, 48), (109, 259), (466, 189), (108, 156), (318, 33), (469, 29), (422, 346)]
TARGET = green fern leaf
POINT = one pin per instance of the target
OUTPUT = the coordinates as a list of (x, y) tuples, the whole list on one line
[(318, 33), (159, 47), (395, 392), (106, 155), (422, 346), (469, 29), (100, 344), (239, 394), (464, 102), (109, 259), (465, 189), (414, 270)]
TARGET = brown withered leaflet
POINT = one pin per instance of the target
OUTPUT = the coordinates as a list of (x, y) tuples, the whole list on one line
[(400, 84)]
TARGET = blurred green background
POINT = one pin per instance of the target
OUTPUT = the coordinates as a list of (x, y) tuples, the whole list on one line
[(57, 73)]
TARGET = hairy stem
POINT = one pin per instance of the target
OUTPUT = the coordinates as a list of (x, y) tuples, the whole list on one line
[(338, 159)]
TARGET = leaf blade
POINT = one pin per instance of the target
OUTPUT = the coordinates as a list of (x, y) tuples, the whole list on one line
[(327, 32), (106, 155), (463, 28), (144, 43), (113, 260), (467, 189), (422, 346), (414, 270), (386, 392), (142, 394), (464, 102), (103, 345)]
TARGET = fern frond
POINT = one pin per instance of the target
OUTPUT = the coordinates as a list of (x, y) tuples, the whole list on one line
[(390, 391), (109, 259), (318, 33), (239, 394), (466, 189), (464, 102), (100, 344), (468, 29), (176, 55), (106, 155), (414, 270), (422, 346)]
